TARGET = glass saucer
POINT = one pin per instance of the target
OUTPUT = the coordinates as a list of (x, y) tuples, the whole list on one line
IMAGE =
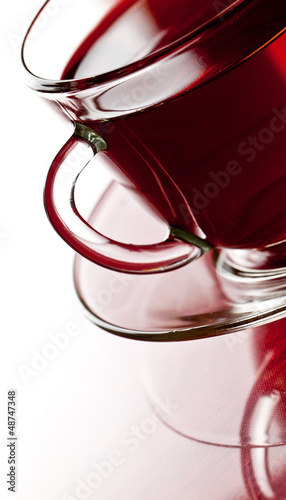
[(183, 304)]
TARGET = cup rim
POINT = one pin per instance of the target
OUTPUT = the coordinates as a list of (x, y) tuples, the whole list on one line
[(47, 85)]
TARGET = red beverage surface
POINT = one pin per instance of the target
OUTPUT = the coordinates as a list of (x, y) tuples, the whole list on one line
[(214, 155)]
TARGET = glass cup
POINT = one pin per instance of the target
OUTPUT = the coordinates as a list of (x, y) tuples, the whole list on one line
[(187, 101)]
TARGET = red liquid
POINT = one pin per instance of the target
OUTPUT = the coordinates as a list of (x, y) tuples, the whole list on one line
[(218, 151)]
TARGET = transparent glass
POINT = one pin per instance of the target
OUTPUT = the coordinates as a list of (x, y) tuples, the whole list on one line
[(189, 303), (188, 103), (228, 390)]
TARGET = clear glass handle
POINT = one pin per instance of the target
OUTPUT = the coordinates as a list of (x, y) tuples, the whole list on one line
[(178, 249)]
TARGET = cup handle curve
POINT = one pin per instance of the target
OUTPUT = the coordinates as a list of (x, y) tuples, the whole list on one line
[(178, 249)]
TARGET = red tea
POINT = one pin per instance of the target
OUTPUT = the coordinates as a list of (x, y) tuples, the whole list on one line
[(212, 156)]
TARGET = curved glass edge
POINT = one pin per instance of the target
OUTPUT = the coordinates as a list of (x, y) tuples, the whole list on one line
[(276, 310), (53, 86)]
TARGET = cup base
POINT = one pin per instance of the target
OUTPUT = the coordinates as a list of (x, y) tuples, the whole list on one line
[(252, 275), (196, 301)]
